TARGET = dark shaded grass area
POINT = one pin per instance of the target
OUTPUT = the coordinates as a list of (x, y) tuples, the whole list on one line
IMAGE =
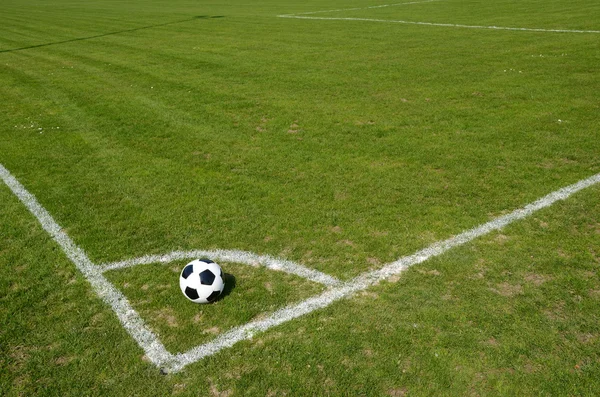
[(108, 34)]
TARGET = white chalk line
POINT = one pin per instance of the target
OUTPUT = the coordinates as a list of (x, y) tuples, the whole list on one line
[(448, 25), (302, 15), (361, 8), (132, 322), (369, 279), (236, 256), (157, 353)]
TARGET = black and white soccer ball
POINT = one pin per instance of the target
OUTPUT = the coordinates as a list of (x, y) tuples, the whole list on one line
[(201, 281)]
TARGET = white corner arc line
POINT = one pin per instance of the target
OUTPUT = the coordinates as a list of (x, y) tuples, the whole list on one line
[(369, 279), (132, 322), (235, 256), (446, 25), (157, 353)]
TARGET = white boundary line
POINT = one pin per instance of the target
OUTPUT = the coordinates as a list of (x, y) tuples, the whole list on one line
[(131, 320), (369, 279), (302, 15), (360, 8), (157, 352), (243, 257), (448, 25)]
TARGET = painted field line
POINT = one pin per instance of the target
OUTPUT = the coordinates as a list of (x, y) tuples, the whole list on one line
[(369, 279), (360, 8), (157, 353), (132, 322), (236, 256), (447, 25)]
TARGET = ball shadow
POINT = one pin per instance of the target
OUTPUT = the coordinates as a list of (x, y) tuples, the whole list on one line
[(229, 280)]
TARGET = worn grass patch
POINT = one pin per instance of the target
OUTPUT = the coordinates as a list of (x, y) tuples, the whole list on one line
[(249, 293)]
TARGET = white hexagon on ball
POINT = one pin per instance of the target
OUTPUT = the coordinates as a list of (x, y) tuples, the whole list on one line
[(201, 281)]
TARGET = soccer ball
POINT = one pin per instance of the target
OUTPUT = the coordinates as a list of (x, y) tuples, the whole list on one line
[(201, 281)]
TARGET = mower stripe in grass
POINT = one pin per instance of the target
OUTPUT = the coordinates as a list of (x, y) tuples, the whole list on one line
[(235, 256)]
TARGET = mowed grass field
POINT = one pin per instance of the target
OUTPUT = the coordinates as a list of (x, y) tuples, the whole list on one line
[(341, 143)]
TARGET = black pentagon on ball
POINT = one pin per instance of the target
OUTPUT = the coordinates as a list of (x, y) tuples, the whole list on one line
[(189, 269), (191, 293), (213, 296), (207, 277), (206, 260)]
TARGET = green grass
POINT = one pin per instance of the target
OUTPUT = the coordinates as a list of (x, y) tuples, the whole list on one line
[(250, 293), (147, 127)]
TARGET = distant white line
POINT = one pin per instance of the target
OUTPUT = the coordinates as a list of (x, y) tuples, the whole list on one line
[(155, 351), (236, 256), (369, 279), (447, 25), (360, 8)]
